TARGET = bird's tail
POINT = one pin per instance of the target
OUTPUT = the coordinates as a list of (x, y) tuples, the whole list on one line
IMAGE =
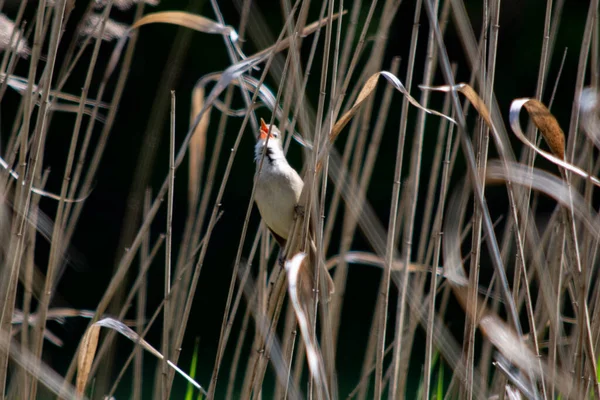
[(326, 287)]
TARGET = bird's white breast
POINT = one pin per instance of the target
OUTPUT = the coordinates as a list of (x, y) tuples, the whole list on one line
[(277, 193)]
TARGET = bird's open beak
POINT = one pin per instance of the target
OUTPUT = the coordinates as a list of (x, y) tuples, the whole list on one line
[(264, 130)]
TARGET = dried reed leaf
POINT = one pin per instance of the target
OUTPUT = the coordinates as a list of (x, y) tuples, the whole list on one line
[(208, 26), (540, 115), (180, 18), (88, 348), (85, 358), (454, 270), (368, 89), (515, 124), (548, 126), (188, 20), (549, 184), (360, 257), (197, 144), (508, 343), (249, 83), (264, 94), (470, 94), (301, 307), (308, 29)]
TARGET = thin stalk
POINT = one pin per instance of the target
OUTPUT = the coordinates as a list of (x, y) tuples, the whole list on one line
[(437, 238), (168, 252), (392, 224), (25, 196), (140, 309)]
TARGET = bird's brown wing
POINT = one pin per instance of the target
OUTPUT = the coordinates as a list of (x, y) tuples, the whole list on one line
[(327, 288), (281, 241)]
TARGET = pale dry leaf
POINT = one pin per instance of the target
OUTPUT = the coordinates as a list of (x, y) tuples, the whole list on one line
[(124, 330), (548, 126), (360, 257), (509, 343), (308, 29), (85, 358), (180, 18), (234, 72), (454, 269), (188, 20), (264, 94), (206, 25), (470, 94), (366, 91), (313, 354), (515, 124), (540, 115), (544, 182)]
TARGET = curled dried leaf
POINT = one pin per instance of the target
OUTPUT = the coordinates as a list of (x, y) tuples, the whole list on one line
[(313, 354), (359, 257), (180, 18), (470, 94), (548, 126), (366, 91), (548, 184), (264, 94), (85, 358), (188, 20), (515, 124), (90, 343)]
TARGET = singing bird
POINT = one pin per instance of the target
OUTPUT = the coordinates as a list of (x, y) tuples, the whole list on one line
[(277, 193)]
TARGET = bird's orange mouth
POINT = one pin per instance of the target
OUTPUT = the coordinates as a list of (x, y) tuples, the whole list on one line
[(264, 130)]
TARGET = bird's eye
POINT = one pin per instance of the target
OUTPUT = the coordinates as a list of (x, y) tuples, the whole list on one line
[(275, 134)]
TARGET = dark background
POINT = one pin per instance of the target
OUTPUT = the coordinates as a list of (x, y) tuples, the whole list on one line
[(97, 237)]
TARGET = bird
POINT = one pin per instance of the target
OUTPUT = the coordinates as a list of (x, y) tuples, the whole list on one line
[(277, 193)]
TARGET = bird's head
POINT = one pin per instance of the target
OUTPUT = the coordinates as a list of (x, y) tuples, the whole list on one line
[(272, 133)]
